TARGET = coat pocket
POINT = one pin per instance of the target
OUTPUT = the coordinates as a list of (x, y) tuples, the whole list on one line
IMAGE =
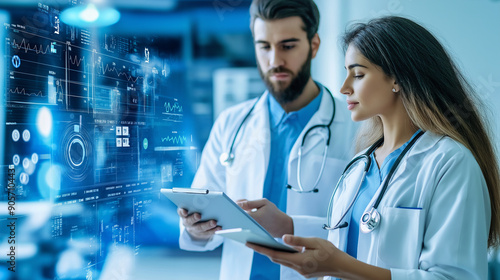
[(400, 236)]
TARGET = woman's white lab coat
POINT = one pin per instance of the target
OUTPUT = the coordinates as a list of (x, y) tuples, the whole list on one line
[(245, 178), (435, 215)]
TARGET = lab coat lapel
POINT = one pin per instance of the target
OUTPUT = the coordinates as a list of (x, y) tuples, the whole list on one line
[(253, 154), (426, 142), (344, 196)]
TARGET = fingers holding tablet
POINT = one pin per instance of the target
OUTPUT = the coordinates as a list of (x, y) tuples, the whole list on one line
[(200, 230)]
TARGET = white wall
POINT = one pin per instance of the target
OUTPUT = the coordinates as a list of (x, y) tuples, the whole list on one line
[(469, 29)]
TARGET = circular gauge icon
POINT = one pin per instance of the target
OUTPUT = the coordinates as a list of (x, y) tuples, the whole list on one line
[(24, 178), (26, 135), (26, 163), (76, 152), (34, 158), (16, 159), (16, 135)]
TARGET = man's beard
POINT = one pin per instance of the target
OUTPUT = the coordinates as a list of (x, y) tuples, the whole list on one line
[(288, 94)]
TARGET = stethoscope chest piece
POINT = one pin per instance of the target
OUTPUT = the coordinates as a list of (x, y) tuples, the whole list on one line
[(226, 159), (369, 221)]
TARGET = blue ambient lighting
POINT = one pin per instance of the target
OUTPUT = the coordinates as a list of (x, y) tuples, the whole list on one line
[(90, 16)]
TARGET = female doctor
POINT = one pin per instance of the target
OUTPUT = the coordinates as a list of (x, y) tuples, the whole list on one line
[(427, 207)]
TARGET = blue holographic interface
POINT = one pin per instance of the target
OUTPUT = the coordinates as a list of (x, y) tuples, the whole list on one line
[(93, 124)]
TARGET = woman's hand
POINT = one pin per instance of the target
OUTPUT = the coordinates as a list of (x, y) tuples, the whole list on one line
[(317, 257)]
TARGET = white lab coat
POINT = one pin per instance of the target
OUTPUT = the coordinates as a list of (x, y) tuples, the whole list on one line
[(245, 178), (442, 231)]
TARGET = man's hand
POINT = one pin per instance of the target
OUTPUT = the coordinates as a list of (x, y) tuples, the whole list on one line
[(197, 230), (268, 215)]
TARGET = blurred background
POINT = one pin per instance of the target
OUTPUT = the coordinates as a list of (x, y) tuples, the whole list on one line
[(104, 102)]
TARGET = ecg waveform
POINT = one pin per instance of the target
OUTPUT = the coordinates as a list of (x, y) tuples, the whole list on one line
[(101, 70), (55, 93), (27, 47), (22, 91), (76, 61), (175, 140), (173, 108)]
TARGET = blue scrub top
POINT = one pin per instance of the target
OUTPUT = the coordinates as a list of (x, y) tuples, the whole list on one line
[(285, 129), (373, 180)]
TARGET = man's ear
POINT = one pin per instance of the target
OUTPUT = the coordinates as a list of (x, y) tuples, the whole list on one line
[(315, 41)]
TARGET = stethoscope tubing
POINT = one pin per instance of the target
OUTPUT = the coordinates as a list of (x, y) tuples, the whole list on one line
[(330, 206), (226, 159), (323, 163), (241, 125), (366, 156), (325, 152)]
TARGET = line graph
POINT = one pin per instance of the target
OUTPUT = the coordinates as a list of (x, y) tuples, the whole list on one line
[(78, 60), (174, 139), (38, 49), (22, 91), (172, 108), (29, 87), (102, 69)]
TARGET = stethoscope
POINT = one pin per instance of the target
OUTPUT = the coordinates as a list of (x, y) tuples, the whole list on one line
[(226, 159), (371, 218)]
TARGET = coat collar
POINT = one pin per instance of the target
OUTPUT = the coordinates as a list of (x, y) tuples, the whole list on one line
[(322, 116), (426, 142), (324, 113)]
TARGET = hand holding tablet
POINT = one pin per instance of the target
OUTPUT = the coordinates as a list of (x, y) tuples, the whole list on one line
[(218, 206)]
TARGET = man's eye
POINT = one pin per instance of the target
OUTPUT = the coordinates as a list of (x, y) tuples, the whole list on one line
[(288, 47)]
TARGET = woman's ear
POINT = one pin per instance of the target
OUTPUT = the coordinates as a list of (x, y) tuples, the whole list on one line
[(395, 87)]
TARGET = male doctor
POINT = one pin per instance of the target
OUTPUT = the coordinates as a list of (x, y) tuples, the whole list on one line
[(261, 169)]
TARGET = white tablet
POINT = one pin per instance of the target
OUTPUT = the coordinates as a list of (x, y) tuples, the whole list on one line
[(245, 235), (218, 206)]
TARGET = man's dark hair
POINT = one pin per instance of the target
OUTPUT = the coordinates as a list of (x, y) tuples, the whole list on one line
[(278, 9)]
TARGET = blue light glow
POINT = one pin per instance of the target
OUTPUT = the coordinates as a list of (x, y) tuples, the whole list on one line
[(90, 13), (44, 121), (49, 180), (90, 16)]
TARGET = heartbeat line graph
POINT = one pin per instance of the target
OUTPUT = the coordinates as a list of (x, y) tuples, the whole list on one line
[(22, 91), (76, 61), (173, 108), (58, 93), (27, 47), (175, 139), (101, 70)]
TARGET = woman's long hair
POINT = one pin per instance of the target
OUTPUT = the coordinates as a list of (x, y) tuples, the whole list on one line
[(435, 94)]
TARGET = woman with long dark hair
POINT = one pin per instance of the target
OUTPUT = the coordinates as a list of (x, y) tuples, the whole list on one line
[(425, 203)]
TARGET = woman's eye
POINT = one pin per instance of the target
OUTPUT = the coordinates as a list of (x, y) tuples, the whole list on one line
[(358, 76)]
